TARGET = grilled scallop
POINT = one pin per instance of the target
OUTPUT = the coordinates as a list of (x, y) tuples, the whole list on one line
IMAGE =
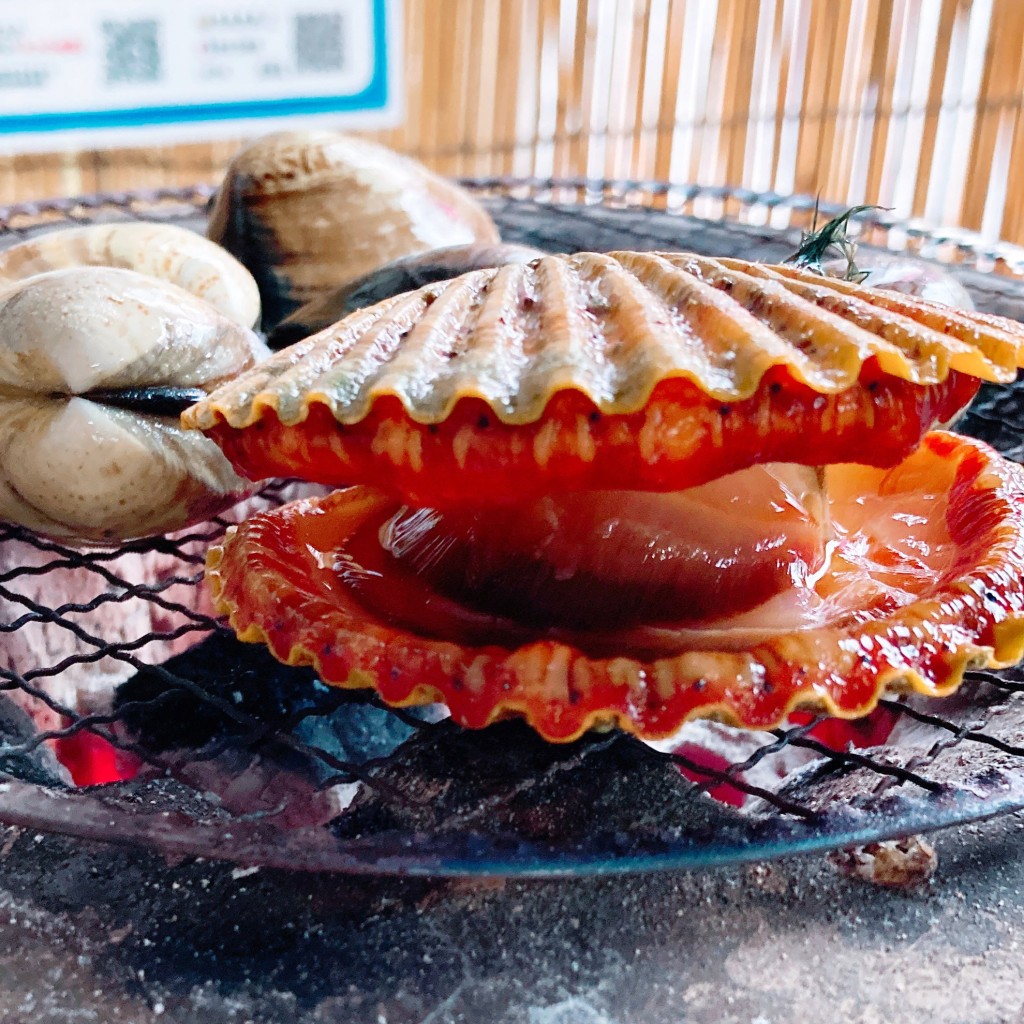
[(630, 489)]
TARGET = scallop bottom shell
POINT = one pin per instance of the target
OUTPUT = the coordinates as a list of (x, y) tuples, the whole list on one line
[(271, 581)]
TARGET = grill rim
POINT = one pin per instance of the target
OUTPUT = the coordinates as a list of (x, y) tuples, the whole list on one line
[(411, 854)]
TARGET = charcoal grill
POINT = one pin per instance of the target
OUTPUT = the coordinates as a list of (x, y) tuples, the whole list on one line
[(226, 754)]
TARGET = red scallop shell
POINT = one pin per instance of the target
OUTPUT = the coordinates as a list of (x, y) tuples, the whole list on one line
[(681, 438), (266, 576), (645, 371)]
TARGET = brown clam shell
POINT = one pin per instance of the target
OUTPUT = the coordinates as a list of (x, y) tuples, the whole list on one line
[(612, 327), (307, 212), (404, 275)]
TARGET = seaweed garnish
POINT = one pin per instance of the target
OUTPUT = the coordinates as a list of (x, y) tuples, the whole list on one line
[(830, 239)]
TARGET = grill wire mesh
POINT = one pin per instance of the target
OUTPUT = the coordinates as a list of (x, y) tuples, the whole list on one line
[(224, 753)]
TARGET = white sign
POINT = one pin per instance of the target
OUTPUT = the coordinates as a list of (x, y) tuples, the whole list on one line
[(77, 73)]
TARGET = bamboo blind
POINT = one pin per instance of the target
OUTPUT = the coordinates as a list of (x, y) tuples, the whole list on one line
[(917, 105)]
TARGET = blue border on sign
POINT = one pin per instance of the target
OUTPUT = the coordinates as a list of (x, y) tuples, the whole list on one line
[(373, 97)]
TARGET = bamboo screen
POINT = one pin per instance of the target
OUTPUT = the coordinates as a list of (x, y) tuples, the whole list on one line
[(917, 105)]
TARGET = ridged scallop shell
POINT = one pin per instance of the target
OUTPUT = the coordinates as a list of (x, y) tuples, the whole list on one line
[(404, 275), (308, 212), (612, 327), (267, 577), (73, 463), (164, 251)]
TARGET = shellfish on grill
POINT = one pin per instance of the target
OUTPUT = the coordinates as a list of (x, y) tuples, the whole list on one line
[(912, 277), (630, 488), (404, 275), (95, 364), (309, 211), (164, 251)]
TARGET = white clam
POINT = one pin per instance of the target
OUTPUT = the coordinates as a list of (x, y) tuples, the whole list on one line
[(166, 251), (76, 463)]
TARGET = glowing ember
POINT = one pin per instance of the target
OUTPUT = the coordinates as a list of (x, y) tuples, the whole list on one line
[(93, 761)]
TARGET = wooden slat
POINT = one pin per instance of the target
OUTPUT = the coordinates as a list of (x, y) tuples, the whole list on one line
[(709, 95), (999, 91), (487, 137), (669, 93), (465, 85), (830, 103), (567, 112), (642, 137), (883, 76), (816, 75), (583, 57), (1013, 212), (790, 43), (503, 86), (951, 9), (739, 79), (545, 34)]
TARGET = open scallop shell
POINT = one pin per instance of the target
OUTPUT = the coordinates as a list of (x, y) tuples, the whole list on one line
[(309, 211), (558, 374), (269, 576), (165, 251)]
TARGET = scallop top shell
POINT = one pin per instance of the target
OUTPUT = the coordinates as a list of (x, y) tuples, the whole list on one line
[(307, 212), (612, 326), (75, 463), (404, 275), (165, 251)]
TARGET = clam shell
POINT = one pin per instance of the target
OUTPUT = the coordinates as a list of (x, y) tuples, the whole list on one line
[(912, 277), (76, 465), (307, 212), (612, 326), (166, 251), (404, 275)]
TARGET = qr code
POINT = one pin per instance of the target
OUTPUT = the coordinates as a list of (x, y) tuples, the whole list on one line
[(319, 42), (132, 51)]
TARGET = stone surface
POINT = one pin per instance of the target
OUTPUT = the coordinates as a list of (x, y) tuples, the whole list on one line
[(93, 933)]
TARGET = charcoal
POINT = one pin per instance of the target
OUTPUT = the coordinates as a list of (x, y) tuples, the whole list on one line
[(223, 690), (507, 781), (35, 762), (996, 416)]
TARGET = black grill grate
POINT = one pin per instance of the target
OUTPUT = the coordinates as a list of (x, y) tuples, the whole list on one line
[(238, 757)]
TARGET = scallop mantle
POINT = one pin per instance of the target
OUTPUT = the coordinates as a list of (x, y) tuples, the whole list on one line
[(972, 616)]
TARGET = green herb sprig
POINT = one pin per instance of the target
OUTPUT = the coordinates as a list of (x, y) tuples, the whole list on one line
[(830, 239)]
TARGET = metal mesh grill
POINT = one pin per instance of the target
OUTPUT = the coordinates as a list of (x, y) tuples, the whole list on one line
[(223, 752)]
